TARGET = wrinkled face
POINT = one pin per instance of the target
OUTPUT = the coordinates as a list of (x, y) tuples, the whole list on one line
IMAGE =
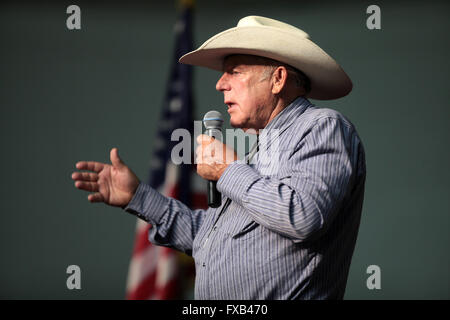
[(247, 92)]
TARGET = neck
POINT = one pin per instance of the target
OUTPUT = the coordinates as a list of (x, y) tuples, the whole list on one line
[(279, 106)]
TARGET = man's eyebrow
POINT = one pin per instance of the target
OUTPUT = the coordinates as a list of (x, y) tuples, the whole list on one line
[(228, 68), (233, 67)]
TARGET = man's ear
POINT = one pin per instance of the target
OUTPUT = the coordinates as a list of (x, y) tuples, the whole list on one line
[(279, 78)]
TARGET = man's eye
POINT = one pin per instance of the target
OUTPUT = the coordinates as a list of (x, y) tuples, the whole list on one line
[(232, 72)]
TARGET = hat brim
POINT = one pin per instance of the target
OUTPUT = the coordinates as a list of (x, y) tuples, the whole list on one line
[(328, 79)]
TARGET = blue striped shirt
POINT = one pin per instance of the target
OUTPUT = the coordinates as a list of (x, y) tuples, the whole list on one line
[(292, 219)]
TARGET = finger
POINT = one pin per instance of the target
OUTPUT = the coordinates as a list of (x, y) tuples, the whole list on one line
[(90, 165), (209, 150), (198, 150), (88, 186), (202, 152), (85, 176), (205, 160), (200, 168), (198, 159), (115, 159), (95, 197), (200, 138), (204, 139)]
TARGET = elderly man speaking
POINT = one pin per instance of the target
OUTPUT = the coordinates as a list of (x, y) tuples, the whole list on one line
[(287, 230)]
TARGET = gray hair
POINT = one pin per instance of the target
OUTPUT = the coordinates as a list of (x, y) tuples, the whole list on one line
[(301, 80)]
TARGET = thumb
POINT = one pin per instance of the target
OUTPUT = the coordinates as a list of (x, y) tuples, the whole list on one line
[(115, 160)]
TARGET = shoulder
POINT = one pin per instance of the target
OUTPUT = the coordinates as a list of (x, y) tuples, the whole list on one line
[(314, 116), (323, 123)]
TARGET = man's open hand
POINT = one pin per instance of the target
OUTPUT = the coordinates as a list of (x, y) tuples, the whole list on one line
[(113, 184), (212, 157)]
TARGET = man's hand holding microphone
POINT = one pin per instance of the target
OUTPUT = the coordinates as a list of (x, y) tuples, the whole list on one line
[(212, 157)]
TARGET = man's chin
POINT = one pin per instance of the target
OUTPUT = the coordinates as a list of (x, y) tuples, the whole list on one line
[(235, 124), (250, 130), (243, 128)]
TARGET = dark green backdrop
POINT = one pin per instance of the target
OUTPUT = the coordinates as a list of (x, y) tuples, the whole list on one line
[(72, 95)]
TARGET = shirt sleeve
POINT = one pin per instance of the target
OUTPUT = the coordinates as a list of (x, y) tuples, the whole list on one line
[(173, 223), (303, 203)]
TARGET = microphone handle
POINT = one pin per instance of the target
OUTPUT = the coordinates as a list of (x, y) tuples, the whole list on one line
[(214, 196)]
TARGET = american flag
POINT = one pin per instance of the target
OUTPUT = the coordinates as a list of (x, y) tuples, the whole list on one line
[(160, 272)]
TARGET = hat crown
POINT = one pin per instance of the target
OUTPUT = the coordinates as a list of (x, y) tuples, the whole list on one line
[(258, 21)]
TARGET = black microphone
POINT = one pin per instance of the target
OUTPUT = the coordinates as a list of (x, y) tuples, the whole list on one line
[(213, 123)]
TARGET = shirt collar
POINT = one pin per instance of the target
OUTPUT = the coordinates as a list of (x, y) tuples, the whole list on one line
[(281, 122), (289, 114)]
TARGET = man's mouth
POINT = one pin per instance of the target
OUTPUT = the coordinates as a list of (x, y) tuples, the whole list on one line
[(230, 105)]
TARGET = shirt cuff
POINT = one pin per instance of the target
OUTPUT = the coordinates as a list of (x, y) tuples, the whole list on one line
[(236, 180), (147, 204)]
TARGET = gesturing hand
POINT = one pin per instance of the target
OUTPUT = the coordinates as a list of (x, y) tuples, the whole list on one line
[(113, 184)]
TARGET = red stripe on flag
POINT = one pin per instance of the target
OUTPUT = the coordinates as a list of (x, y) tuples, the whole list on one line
[(173, 191), (141, 241), (169, 291), (144, 289)]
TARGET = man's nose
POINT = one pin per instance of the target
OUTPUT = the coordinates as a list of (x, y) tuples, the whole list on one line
[(222, 83)]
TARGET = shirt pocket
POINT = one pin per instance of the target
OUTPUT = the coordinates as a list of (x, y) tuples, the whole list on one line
[(251, 230)]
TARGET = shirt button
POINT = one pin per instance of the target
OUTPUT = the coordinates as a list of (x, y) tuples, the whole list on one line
[(203, 264), (215, 228)]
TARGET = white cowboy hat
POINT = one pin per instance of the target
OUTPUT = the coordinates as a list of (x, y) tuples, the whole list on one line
[(279, 41)]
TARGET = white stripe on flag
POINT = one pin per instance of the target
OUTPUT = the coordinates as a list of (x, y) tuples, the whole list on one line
[(166, 269), (140, 226), (141, 266)]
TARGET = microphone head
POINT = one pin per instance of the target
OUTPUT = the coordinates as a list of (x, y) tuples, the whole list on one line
[(213, 120)]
